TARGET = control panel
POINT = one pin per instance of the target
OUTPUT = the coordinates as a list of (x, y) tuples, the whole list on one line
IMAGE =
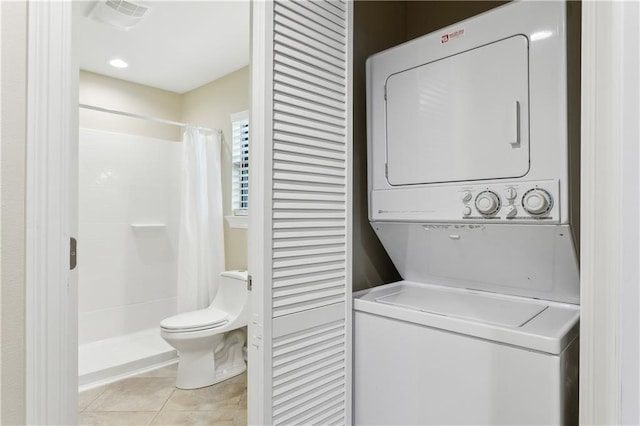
[(506, 202)]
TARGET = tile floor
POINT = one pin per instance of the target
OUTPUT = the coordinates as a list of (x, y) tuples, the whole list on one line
[(152, 399)]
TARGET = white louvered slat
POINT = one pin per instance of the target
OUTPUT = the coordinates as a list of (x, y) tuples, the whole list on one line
[(298, 383), (306, 260), (302, 407), (309, 167), (300, 243), (307, 59), (309, 41), (305, 8), (309, 202), (329, 7), (316, 297), (334, 415), (308, 232), (308, 223), (309, 96), (324, 284), (320, 74), (320, 248), (312, 115), (307, 195), (309, 145), (309, 21), (336, 209), (320, 11), (308, 215), (304, 104), (282, 22), (311, 178), (313, 123), (339, 4), (305, 270), (298, 376), (307, 186), (336, 65), (335, 273)]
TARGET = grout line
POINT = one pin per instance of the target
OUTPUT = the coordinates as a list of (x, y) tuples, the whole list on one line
[(163, 405), (94, 399)]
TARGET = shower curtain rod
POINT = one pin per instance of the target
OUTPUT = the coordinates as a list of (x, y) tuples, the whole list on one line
[(142, 117)]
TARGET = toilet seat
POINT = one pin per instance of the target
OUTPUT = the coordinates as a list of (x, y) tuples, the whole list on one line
[(202, 319)]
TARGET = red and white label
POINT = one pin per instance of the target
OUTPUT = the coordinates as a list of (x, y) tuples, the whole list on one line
[(445, 38)]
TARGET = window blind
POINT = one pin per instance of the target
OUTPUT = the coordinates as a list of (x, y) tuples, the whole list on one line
[(240, 159)]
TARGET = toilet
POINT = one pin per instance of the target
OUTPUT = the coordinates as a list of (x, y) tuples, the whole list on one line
[(210, 341)]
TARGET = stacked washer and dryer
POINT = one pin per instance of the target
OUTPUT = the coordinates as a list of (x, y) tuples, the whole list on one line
[(473, 192)]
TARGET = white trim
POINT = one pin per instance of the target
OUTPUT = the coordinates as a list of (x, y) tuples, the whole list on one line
[(259, 362), (240, 116), (51, 309), (349, 210), (240, 222), (609, 45)]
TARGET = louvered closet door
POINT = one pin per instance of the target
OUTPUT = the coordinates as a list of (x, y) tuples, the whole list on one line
[(300, 226)]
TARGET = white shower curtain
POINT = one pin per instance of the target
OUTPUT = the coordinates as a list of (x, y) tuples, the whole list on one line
[(201, 247)]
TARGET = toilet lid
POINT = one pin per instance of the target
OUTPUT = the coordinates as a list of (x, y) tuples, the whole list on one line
[(202, 319)]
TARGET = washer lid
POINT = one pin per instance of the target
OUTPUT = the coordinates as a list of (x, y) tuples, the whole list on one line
[(539, 325), (202, 319), (467, 305)]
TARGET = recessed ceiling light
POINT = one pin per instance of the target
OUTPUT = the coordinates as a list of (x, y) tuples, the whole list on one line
[(118, 63)]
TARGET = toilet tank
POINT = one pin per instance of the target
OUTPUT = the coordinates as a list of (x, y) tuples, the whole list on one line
[(232, 295)]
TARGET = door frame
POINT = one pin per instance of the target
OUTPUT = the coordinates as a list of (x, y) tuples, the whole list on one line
[(51, 322), (609, 238), (51, 291)]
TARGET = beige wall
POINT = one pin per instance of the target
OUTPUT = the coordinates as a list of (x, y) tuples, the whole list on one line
[(13, 39), (424, 17), (372, 33), (112, 93), (211, 105)]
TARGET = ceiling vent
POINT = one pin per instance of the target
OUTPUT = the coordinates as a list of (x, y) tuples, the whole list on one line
[(121, 14)]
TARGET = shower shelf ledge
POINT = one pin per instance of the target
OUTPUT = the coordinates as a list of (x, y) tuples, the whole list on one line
[(148, 225)]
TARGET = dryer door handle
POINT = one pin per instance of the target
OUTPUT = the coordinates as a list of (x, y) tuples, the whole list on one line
[(515, 120)]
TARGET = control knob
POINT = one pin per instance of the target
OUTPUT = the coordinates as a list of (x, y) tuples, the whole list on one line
[(488, 203), (536, 201)]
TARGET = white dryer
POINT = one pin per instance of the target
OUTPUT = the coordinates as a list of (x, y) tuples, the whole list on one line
[(473, 195)]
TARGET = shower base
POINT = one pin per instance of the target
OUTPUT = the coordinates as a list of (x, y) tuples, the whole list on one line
[(109, 360)]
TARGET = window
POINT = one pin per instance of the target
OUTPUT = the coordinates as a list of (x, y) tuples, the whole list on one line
[(240, 160)]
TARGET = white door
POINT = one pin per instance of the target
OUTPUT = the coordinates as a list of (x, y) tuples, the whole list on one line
[(300, 202), (460, 118)]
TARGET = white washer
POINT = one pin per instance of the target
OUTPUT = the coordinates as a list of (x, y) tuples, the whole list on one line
[(436, 355)]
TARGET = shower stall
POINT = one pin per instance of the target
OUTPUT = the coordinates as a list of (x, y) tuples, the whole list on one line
[(129, 239), (129, 197)]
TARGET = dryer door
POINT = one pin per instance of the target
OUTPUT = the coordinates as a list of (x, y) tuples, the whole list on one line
[(460, 118)]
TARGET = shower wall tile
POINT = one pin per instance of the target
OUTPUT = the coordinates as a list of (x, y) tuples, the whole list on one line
[(127, 274)]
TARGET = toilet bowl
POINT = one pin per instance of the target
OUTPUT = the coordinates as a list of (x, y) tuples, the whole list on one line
[(210, 341)]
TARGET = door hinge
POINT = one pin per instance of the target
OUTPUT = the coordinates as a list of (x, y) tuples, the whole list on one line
[(386, 170), (249, 282), (385, 92), (73, 254)]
